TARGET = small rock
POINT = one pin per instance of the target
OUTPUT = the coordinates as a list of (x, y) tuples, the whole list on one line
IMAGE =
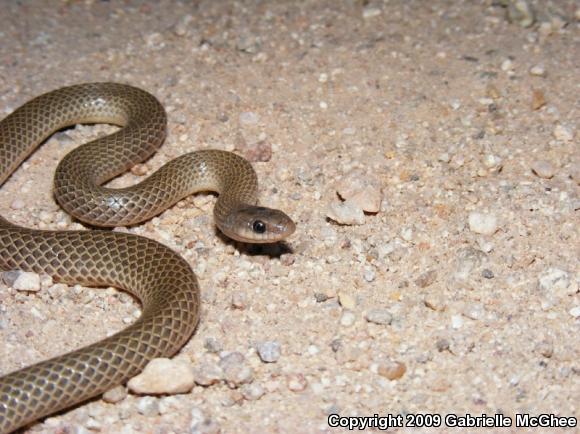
[(563, 133), (346, 213), (236, 370), (347, 300), (180, 28), (17, 204), (480, 223), (239, 300), (546, 348), (426, 279), (148, 406), (296, 382), (269, 351), (543, 169), (370, 12), (249, 118), (554, 280), (369, 275), (22, 280), (520, 12), (201, 424), (487, 273), (392, 370), (538, 70), (442, 345), (258, 151), (359, 188), (207, 373), (163, 376), (456, 321), (538, 99), (115, 395), (252, 392), (435, 302), (379, 316), (575, 312), (347, 319), (213, 345)]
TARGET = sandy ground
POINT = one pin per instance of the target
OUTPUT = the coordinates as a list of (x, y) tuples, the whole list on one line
[(433, 104)]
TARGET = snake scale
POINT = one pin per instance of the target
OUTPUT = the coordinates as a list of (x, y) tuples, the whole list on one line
[(162, 280)]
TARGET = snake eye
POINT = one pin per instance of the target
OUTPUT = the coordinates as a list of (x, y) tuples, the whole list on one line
[(259, 226)]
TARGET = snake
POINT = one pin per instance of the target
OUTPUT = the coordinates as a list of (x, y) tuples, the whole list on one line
[(158, 277)]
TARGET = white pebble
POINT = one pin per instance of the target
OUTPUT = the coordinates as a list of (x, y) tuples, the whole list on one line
[(269, 351), (346, 300), (249, 118), (507, 65), (379, 316), (563, 133), (555, 280), (163, 376), (369, 275), (347, 319), (456, 321), (543, 169), (575, 312), (480, 223), (26, 281), (370, 12), (538, 70), (148, 406), (346, 213)]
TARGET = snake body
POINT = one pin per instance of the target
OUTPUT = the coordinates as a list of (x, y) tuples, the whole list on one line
[(157, 276)]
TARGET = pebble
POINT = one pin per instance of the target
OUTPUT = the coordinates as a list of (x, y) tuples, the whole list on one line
[(207, 373), (370, 12), (201, 424), (487, 273), (482, 223), (538, 70), (239, 300), (555, 280), (456, 321), (115, 395), (148, 406), (546, 348), (369, 275), (575, 312), (17, 204), (252, 392), (249, 118), (347, 319), (346, 213), (347, 300), (538, 99), (361, 191), (236, 370), (269, 351), (163, 376), (391, 370), (22, 280), (296, 382), (563, 133), (520, 12), (379, 316), (213, 345), (426, 279), (544, 169)]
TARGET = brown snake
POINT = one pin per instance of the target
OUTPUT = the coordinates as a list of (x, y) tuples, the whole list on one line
[(161, 279)]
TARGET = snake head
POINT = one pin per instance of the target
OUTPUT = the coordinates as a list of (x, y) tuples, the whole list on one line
[(257, 224)]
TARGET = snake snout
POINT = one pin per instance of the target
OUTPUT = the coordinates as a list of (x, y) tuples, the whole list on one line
[(256, 224)]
